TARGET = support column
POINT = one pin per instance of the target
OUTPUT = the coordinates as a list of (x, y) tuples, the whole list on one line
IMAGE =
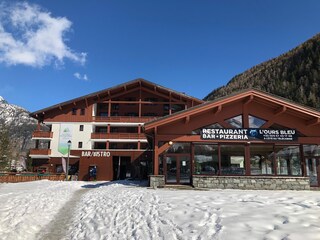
[(140, 107), (109, 108), (156, 158), (247, 159)]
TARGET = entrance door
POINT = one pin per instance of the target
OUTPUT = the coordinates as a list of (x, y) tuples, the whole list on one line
[(177, 169), (313, 171), (121, 167)]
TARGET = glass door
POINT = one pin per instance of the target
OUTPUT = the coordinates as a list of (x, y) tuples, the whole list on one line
[(313, 171), (184, 169), (171, 169), (177, 169)]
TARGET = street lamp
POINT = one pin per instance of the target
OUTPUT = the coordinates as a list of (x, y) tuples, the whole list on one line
[(67, 168)]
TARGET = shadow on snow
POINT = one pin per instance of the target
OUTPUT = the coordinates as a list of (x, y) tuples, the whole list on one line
[(131, 183)]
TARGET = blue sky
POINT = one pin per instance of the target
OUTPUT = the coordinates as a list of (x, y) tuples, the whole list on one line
[(53, 51)]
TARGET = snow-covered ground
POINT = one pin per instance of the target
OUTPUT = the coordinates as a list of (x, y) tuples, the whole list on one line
[(105, 210)]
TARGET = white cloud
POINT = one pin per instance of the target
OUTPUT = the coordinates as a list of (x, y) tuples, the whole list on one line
[(81, 77), (31, 36)]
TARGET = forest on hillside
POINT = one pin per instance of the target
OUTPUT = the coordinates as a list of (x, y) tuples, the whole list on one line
[(294, 75)]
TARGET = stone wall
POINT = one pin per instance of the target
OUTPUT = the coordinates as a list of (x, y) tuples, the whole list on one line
[(156, 181), (251, 182)]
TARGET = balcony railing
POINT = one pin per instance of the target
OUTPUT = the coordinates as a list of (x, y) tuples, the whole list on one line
[(42, 134), (117, 136), (36, 151), (122, 119)]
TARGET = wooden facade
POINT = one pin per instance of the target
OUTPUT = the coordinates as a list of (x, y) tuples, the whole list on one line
[(105, 130), (289, 146)]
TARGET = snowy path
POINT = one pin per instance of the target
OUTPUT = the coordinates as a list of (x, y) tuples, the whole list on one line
[(100, 210), (57, 229), (122, 212), (26, 208)]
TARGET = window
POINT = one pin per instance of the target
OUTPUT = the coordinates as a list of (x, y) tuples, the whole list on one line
[(100, 145), (235, 121), (131, 114), (255, 122), (74, 111), (130, 99), (206, 159), (179, 148), (151, 100), (177, 107), (166, 107), (81, 128), (288, 160), (115, 106), (82, 111), (79, 144), (59, 168), (149, 114), (232, 160), (101, 129), (311, 150), (262, 159)]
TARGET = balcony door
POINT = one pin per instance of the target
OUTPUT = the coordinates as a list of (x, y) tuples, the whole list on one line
[(313, 170), (177, 169)]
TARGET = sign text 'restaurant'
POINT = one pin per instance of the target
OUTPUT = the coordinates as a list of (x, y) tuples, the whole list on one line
[(249, 133)]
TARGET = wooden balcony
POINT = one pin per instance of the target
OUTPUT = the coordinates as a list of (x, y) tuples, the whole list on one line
[(117, 136), (42, 134), (125, 119), (35, 151)]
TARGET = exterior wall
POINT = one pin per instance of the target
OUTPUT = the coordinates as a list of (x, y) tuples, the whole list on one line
[(52, 163), (104, 163), (252, 183), (77, 136), (104, 168)]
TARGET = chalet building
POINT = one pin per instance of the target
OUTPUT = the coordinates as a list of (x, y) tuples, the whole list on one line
[(105, 130), (248, 140)]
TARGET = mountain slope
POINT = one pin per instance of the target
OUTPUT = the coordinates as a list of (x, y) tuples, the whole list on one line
[(294, 75), (19, 125)]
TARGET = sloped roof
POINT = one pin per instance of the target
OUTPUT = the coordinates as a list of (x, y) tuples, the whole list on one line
[(131, 84), (249, 94)]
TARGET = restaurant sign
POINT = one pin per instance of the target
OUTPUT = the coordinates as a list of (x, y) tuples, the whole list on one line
[(249, 134), (95, 154)]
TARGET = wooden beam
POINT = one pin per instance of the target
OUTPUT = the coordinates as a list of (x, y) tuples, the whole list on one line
[(74, 103), (60, 107), (280, 110), (86, 101), (313, 122), (187, 119), (248, 100), (217, 109)]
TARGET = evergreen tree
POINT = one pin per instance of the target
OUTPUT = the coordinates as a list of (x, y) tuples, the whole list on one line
[(5, 148)]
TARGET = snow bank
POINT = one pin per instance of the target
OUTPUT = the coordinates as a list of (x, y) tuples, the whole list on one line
[(121, 211), (26, 208)]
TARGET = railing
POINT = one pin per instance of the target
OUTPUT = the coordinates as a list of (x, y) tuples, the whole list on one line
[(36, 151), (122, 119), (27, 177), (42, 134), (117, 136)]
